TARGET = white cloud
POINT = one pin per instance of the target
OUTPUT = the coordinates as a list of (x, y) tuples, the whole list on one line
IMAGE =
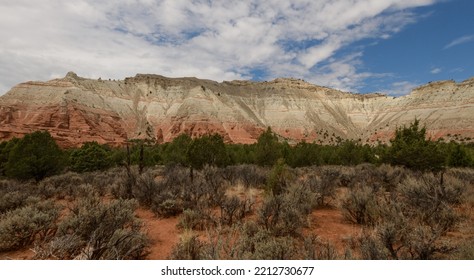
[(400, 88), (459, 41), (341, 73), (436, 70), (220, 40)]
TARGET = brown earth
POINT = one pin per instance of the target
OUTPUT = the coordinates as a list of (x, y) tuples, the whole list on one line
[(163, 234), (330, 226)]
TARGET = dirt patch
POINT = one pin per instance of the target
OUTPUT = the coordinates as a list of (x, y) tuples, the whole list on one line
[(23, 254), (330, 225), (163, 234)]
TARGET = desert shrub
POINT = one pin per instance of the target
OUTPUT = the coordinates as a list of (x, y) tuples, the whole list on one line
[(14, 194), (130, 184), (23, 226), (230, 175), (229, 208), (372, 247), (431, 200), (286, 214), (391, 176), (146, 189), (189, 247), (313, 183), (412, 221), (411, 239), (273, 248), (424, 243), (171, 189), (250, 175), (60, 248), (12, 200), (124, 188), (329, 181), (465, 175), (177, 192), (465, 250), (196, 220), (214, 184), (86, 191), (195, 195), (189, 220), (104, 181), (123, 244), (61, 186), (317, 249), (260, 244), (234, 209), (110, 231), (279, 178), (167, 208), (301, 198), (429, 192), (361, 206)]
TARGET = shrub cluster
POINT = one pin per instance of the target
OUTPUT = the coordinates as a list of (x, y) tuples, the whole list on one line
[(409, 222), (24, 225), (96, 230)]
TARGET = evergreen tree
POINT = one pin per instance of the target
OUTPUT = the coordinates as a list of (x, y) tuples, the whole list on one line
[(207, 150), (35, 156), (5, 148), (458, 157), (90, 157), (267, 150), (176, 152), (411, 149)]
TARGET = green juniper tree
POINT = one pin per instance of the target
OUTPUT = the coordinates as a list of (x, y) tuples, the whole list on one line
[(411, 149), (35, 156)]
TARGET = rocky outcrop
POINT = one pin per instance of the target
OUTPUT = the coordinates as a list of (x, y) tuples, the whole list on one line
[(76, 110)]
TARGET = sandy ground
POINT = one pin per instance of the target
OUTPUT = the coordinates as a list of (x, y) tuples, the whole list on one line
[(163, 234)]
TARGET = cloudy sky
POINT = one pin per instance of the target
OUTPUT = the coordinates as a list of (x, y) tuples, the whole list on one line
[(355, 45)]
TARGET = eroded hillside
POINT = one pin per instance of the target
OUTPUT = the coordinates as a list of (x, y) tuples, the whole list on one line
[(76, 110)]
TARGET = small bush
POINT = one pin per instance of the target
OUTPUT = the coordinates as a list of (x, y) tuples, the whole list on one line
[(361, 206), (110, 231), (316, 249), (251, 176), (259, 244), (167, 208), (189, 247), (465, 251), (194, 220), (372, 248), (286, 214), (60, 248), (12, 200), (61, 186), (146, 189), (214, 185), (428, 192), (25, 225)]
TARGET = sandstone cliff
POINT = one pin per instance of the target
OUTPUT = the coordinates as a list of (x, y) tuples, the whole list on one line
[(77, 110)]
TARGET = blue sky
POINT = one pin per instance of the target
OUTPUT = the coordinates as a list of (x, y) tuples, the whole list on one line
[(387, 46)]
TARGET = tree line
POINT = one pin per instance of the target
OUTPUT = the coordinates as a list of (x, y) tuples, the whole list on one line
[(37, 155)]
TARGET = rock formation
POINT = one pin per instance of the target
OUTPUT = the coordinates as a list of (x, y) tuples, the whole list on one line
[(76, 110)]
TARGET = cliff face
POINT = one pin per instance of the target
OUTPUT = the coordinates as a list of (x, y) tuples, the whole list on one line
[(76, 110)]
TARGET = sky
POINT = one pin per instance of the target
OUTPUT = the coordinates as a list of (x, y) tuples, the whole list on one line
[(388, 46)]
